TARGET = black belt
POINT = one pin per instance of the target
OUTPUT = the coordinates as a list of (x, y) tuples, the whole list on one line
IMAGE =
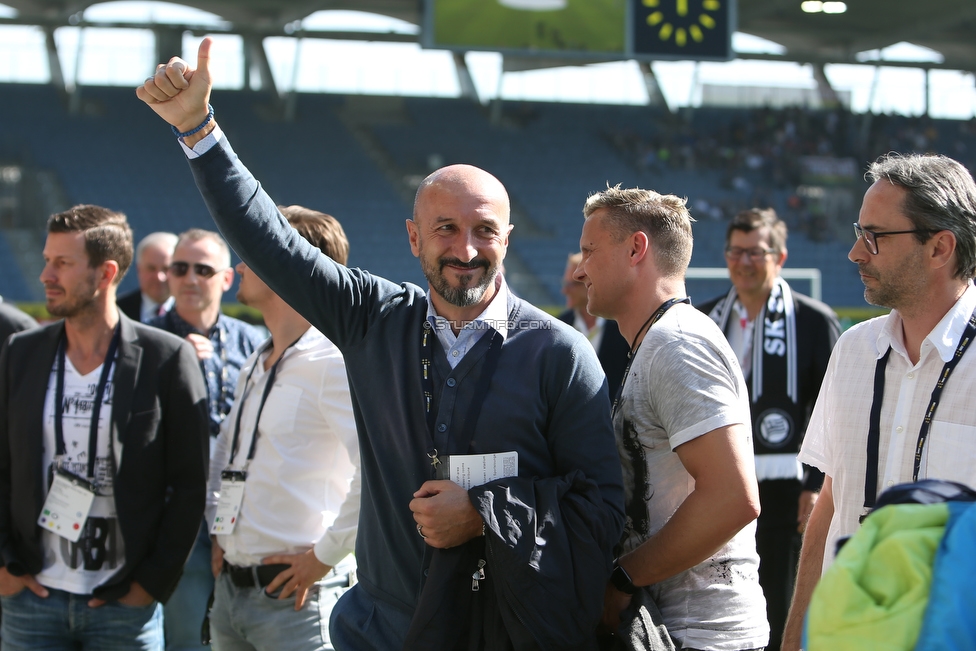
[(255, 576)]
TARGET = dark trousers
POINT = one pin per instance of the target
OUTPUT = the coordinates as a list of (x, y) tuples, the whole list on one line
[(778, 545)]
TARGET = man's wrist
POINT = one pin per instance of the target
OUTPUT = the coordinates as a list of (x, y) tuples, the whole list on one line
[(194, 121), (191, 140), (620, 579)]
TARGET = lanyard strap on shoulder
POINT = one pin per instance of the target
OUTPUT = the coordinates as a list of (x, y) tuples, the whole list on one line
[(60, 447), (654, 318), (264, 398)]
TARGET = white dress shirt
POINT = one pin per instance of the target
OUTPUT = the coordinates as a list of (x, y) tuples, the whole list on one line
[(595, 334), (836, 438), (303, 485), (740, 336)]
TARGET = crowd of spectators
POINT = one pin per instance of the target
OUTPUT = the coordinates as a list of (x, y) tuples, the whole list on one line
[(758, 154)]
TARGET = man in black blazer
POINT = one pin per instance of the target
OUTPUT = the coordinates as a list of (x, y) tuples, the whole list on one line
[(610, 346), (138, 392), (153, 255)]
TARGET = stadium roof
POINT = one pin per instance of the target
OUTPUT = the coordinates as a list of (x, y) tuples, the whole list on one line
[(945, 26)]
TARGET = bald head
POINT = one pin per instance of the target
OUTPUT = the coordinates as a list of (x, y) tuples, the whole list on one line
[(459, 231), (467, 184)]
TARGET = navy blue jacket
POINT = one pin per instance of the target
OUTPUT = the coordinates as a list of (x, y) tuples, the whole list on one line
[(547, 399)]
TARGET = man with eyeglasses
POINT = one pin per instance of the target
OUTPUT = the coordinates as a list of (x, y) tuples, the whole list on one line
[(199, 275), (782, 340), (896, 403)]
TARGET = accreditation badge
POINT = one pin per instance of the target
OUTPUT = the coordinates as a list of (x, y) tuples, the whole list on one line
[(229, 502), (67, 506)]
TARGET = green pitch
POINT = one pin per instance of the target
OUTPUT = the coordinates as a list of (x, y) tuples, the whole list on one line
[(586, 25)]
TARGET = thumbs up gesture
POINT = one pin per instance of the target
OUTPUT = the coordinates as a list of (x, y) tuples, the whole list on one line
[(178, 93)]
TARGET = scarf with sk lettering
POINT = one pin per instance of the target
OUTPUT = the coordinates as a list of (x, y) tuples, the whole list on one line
[(773, 389)]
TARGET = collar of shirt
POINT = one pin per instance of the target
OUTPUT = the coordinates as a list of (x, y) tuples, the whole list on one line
[(945, 335), (580, 324), (151, 309), (309, 339), (182, 328), (743, 314), (494, 316), (739, 334)]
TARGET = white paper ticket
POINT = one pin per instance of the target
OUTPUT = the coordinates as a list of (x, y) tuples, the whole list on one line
[(469, 470)]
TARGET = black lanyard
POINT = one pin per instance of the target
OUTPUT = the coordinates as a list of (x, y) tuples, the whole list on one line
[(492, 356), (60, 448), (654, 318), (264, 398), (874, 427)]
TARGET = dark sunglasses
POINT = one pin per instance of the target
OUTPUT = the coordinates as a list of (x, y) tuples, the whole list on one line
[(180, 269)]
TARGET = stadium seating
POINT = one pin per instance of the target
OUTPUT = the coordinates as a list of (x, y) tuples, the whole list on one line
[(113, 151)]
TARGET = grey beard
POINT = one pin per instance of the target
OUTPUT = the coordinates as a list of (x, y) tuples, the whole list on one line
[(459, 296)]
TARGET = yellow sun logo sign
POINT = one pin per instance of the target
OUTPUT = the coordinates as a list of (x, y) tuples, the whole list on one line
[(681, 27)]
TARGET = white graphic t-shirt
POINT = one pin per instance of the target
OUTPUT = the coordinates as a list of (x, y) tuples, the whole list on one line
[(78, 567)]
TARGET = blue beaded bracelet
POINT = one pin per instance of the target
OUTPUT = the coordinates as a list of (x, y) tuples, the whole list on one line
[(192, 131)]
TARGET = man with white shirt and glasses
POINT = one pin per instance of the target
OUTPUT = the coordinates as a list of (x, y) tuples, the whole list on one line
[(292, 449), (916, 253)]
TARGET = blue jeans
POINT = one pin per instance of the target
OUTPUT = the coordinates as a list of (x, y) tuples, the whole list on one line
[(186, 608), (248, 619), (64, 622)]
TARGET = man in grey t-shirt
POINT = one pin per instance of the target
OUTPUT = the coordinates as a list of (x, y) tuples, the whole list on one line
[(683, 431)]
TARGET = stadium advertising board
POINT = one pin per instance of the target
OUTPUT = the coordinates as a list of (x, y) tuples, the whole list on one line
[(584, 29)]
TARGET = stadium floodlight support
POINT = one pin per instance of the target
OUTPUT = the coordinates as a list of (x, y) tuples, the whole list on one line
[(811, 274), (256, 64), (828, 96), (655, 96), (54, 62), (465, 81)]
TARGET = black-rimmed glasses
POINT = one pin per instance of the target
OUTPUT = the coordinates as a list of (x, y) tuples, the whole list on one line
[(755, 254), (180, 269), (871, 237)]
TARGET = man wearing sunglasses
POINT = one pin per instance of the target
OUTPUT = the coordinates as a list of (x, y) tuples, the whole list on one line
[(782, 340), (199, 275), (896, 403)]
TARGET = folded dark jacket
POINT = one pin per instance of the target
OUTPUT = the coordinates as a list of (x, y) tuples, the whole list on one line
[(547, 555)]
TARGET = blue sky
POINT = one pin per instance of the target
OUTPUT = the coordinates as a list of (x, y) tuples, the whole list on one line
[(124, 57)]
